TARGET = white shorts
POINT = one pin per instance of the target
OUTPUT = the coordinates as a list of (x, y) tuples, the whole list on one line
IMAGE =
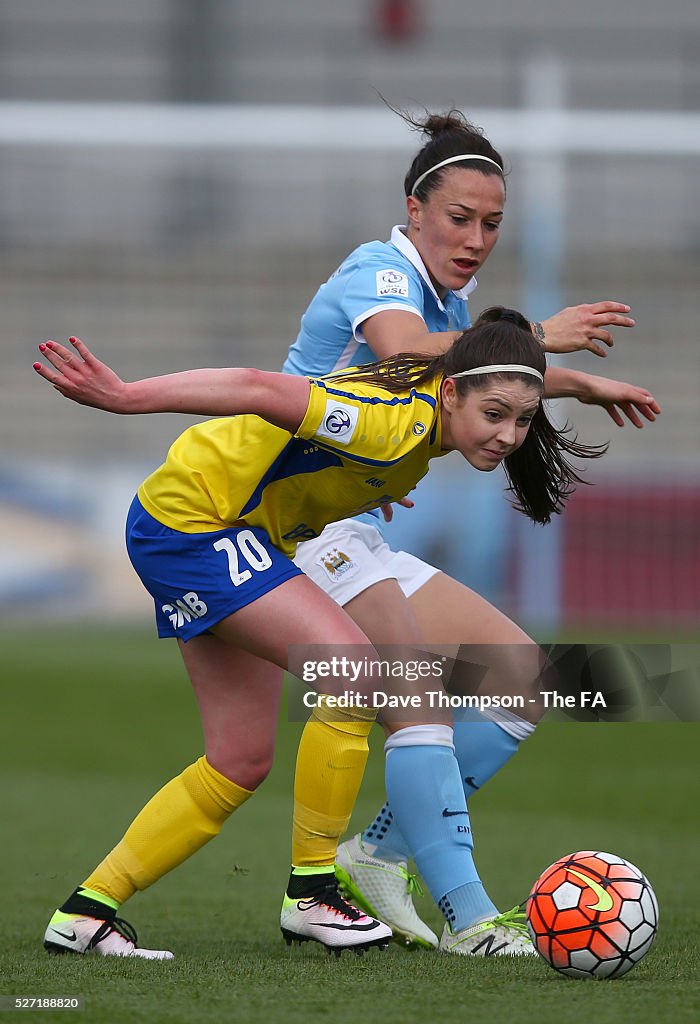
[(350, 556)]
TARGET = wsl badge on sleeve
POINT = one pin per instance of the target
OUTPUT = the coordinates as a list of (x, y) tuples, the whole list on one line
[(339, 422), (392, 282)]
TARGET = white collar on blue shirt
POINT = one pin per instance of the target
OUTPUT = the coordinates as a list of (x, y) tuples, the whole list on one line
[(402, 243)]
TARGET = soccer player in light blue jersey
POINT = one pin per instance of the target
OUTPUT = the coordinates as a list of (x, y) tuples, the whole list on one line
[(411, 294)]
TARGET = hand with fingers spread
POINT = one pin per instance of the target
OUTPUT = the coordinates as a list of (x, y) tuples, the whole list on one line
[(583, 327), (618, 398), (80, 376)]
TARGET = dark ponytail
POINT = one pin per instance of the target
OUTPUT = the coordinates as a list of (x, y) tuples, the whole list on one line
[(540, 476)]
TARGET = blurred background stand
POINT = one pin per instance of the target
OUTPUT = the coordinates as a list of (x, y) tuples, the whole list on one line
[(178, 179)]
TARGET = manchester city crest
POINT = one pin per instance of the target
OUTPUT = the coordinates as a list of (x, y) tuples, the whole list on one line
[(338, 564)]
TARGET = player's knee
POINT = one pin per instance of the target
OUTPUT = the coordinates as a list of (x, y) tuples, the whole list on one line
[(520, 666), (255, 774), (248, 772)]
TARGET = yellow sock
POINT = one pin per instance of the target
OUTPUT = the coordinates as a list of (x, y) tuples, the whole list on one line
[(330, 764), (182, 816)]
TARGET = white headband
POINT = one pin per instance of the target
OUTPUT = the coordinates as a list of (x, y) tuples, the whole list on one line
[(500, 368), (454, 160)]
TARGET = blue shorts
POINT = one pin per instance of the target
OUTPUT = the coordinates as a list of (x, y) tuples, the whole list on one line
[(197, 579)]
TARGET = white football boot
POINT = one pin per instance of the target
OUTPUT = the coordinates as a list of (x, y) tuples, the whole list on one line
[(327, 918), (384, 889), (73, 933), (503, 935)]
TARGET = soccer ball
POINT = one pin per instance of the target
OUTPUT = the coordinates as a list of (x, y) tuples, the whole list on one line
[(592, 915)]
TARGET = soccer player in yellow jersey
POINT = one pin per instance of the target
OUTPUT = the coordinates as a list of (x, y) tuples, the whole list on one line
[(211, 534)]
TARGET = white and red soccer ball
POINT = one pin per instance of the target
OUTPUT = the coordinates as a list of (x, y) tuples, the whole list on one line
[(592, 915)]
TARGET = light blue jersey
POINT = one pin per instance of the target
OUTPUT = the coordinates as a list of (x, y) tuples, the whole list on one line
[(374, 277)]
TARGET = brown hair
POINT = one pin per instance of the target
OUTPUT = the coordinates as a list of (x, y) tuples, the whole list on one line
[(540, 476), (449, 134)]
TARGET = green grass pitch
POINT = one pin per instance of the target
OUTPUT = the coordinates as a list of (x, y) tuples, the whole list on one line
[(93, 722)]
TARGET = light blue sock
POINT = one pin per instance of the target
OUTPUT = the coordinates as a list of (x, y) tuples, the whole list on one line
[(427, 799), (482, 748), (384, 837), (466, 905)]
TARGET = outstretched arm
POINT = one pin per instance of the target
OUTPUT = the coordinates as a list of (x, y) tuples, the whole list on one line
[(279, 398), (571, 330), (583, 327), (614, 396)]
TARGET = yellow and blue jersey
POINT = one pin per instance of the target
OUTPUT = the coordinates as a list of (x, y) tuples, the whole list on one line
[(357, 447)]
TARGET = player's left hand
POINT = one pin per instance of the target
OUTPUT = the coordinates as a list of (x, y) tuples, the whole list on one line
[(81, 376), (618, 398), (584, 327)]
